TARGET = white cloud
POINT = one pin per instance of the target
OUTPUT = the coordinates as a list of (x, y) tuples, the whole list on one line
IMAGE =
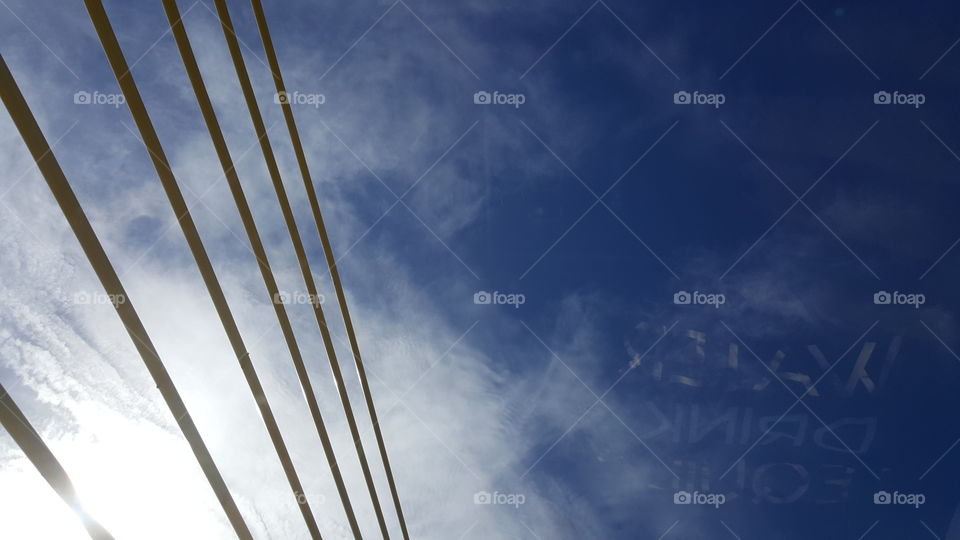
[(83, 386)]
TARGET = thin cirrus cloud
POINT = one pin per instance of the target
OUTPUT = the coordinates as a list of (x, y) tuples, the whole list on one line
[(84, 388), (594, 399)]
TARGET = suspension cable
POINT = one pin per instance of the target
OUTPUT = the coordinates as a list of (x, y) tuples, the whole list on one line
[(244, 78), (47, 163), (27, 438), (151, 141), (328, 252), (226, 162)]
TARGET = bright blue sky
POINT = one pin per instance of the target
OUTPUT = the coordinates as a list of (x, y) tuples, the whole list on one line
[(593, 398)]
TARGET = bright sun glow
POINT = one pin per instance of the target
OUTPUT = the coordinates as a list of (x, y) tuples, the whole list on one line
[(158, 493)]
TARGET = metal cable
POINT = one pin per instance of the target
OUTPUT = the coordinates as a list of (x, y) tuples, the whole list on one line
[(151, 141), (331, 263), (27, 438), (50, 169), (226, 162), (250, 98)]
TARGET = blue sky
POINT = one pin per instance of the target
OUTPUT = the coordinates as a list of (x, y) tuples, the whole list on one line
[(814, 170)]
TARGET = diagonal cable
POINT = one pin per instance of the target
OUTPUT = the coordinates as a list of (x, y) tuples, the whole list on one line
[(400, 198), (282, 198), (50, 169), (118, 64), (226, 161), (27, 438), (335, 277)]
